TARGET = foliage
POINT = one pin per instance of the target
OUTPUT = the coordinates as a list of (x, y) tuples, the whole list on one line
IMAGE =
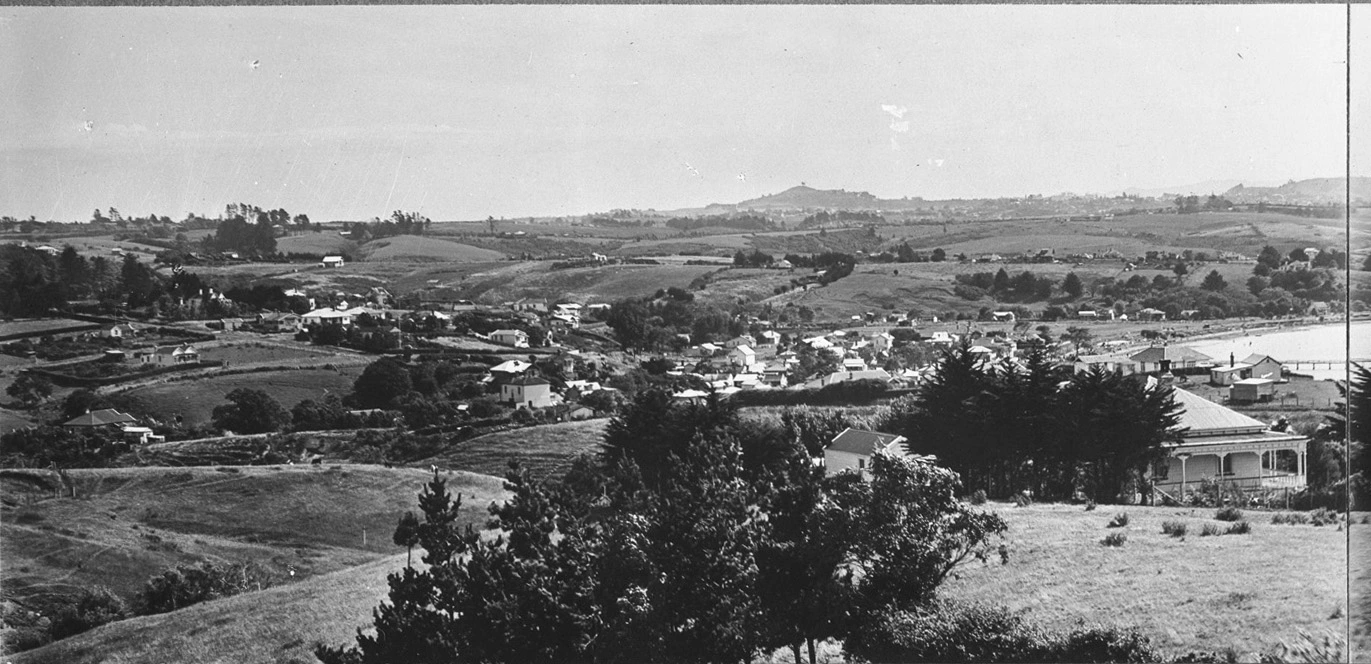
[(714, 544), (54, 445), (30, 389), (92, 608), (1011, 429), (1239, 528), (945, 631), (1115, 539), (381, 383), (1289, 518), (1174, 528), (1209, 529), (978, 497), (1228, 513), (250, 411), (185, 585), (1119, 521)]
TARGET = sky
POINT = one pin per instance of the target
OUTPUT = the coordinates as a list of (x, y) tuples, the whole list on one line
[(465, 112)]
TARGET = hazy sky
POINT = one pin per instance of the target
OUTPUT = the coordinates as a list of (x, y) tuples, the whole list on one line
[(464, 112)]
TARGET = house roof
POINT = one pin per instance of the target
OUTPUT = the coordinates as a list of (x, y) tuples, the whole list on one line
[(528, 380), (1202, 417), (1258, 358), (1254, 381), (1236, 367), (745, 349), (172, 350), (99, 418), (511, 366), (508, 332), (1172, 353), (861, 441)]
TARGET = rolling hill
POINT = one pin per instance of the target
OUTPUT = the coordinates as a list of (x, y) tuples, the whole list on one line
[(126, 524)]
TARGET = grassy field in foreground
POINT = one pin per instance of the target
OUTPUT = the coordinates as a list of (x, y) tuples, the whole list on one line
[(276, 625), (1247, 592), (128, 524), (196, 399), (544, 450)]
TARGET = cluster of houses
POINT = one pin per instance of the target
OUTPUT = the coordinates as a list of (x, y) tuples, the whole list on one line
[(1250, 380)]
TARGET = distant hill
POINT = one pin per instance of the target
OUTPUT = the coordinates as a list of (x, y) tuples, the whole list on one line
[(803, 197), (1196, 189), (1315, 191)]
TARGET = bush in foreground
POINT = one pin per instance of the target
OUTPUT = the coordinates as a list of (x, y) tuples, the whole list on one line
[(1120, 520), (191, 584), (1239, 528), (1173, 528), (1115, 539), (947, 631), (92, 608), (1229, 513)]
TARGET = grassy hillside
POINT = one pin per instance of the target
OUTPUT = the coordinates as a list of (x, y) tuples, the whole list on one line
[(324, 242), (195, 400), (276, 625), (413, 247), (544, 450), (127, 524), (1247, 592)]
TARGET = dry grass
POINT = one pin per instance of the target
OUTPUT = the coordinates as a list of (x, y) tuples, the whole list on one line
[(324, 242), (545, 450), (128, 524), (413, 247), (1209, 593), (195, 400), (279, 624)]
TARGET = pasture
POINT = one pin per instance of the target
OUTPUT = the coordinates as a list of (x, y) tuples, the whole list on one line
[(415, 248), (545, 450), (194, 400), (127, 524), (1246, 592), (323, 242)]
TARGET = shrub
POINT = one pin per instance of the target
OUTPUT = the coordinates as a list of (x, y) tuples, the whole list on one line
[(1290, 518), (978, 497), (1173, 528), (1328, 647), (1021, 499), (1239, 528), (1229, 513), (1114, 539), (187, 584), (1120, 520), (1090, 505), (1209, 529), (92, 608), (1324, 516), (946, 631)]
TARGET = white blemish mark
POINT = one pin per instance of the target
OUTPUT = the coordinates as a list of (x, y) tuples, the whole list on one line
[(935, 162), (88, 126), (742, 177), (899, 126), (693, 171), (894, 144), (255, 64), (897, 111)]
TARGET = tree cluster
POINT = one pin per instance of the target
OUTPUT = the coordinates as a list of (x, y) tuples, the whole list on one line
[(746, 222), (692, 538), (1008, 429), (1023, 287)]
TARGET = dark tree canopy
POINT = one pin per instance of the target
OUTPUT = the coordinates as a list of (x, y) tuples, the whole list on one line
[(250, 411)]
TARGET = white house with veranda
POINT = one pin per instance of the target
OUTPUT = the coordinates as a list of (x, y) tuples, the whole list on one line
[(1222, 444), (853, 448)]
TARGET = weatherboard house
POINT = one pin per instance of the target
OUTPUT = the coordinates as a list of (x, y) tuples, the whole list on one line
[(528, 390), (1219, 443), (853, 449)]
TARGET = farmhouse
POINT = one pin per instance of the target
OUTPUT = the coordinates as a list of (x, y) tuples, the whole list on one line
[(882, 342), (171, 355), (105, 417), (1223, 376), (1003, 316), (272, 321), (121, 331), (515, 338), (852, 450), (530, 391), (1264, 366), (1223, 444), (507, 371), (331, 261), (1151, 314), (1170, 358)]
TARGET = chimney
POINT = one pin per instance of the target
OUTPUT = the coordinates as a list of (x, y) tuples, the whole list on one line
[(1230, 360)]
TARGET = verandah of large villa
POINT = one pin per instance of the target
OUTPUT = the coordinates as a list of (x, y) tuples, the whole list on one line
[(1222, 444)]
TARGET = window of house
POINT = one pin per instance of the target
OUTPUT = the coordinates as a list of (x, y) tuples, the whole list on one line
[(861, 464), (1228, 464)]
